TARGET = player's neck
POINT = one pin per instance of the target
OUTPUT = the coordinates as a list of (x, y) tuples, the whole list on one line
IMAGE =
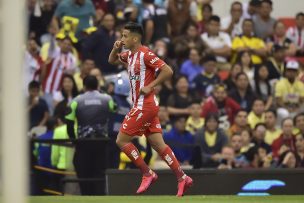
[(135, 48)]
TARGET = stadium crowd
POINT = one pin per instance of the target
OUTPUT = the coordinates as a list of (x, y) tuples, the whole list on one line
[(236, 99)]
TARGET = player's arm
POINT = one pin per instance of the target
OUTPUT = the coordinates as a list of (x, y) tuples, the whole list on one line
[(114, 55)]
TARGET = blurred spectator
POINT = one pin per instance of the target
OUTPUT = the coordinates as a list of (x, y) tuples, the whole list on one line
[(190, 39), (243, 93), (102, 7), (178, 138), (203, 83), (249, 42), (67, 92), (192, 67), (275, 63), (287, 159), (219, 42), (233, 24), (246, 135), (279, 38), (286, 141), (228, 157), (250, 9), (244, 58), (155, 22), (210, 140), (230, 81), (99, 44), (272, 131), (81, 10), (194, 121), (300, 149), (101, 81), (299, 123), (257, 114), (181, 99), (61, 61), (224, 106), (40, 17), (236, 143), (263, 22), (296, 34), (179, 13), (262, 159), (289, 91), (37, 107), (32, 62), (207, 12), (166, 89), (85, 69), (161, 49), (259, 138), (164, 120), (261, 85), (240, 122)]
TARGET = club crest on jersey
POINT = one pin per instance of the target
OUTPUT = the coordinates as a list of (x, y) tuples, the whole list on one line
[(134, 77)]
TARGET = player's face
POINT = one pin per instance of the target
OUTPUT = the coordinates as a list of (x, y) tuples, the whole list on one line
[(128, 39)]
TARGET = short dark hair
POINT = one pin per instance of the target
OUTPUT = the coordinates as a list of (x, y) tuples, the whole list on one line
[(90, 82), (236, 3), (258, 125), (34, 84), (271, 111), (267, 2), (248, 20), (300, 14), (215, 18), (241, 110), (208, 6), (207, 58), (134, 28), (297, 116)]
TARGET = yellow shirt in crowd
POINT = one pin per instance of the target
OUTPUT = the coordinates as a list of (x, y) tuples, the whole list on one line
[(291, 93), (210, 138), (253, 119), (270, 136), (192, 126)]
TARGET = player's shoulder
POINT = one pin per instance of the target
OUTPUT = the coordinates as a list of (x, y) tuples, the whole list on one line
[(147, 51)]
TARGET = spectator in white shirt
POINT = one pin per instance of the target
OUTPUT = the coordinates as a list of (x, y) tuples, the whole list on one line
[(296, 34), (232, 24)]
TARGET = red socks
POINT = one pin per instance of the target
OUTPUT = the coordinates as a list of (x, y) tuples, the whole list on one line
[(132, 152), (169, 157)]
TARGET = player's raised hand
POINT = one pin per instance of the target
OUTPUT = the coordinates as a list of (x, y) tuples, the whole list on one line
[(117, 45), (145, 90)]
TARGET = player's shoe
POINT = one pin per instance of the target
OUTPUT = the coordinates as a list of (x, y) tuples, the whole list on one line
[(184, 185), (146, 182)]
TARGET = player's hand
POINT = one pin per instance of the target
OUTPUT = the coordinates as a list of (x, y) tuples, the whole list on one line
[(117, 45), (145, 90)]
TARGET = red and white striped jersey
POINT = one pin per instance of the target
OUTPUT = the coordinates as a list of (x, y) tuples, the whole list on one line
[(61, 63), (142, 67), (32, 67)]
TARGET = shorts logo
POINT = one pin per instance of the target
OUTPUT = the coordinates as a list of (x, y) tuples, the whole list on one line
[(147, 124), (127, 117), (124, 126), (139, 116), (158, 126), (168, 159), (134, 154)]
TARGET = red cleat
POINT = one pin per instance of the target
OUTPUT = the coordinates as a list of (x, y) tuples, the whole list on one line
[(184, 185), (146, 182)]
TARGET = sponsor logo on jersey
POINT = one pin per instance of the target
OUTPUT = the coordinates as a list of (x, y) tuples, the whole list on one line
[(158, 126), (134, 77), (154, 60)]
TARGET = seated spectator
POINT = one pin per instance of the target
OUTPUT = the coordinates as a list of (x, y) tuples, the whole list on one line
[(289, 91), (275, 63), (219, 42), (68, 90), (263, 22), (85, 69), (194, 121), (203, 83), (243, 93), (224, 106), (257, 115), (287, 159), (210, 141), (236, 143), (279, 38), (192, 67), (272, 131), (98, 74), (180, 141), (37, 108), (259, 137), (230, 81), (166, 88), (261, 85), (299, 123), (227, 158), (300, 149), (207, 12), (247, 137), (244, 59), (164, 120), (248, 42), (240, 122), (296, 34), (181, 99), (232, 24), (262, 159), (190, 39), (286, 141)]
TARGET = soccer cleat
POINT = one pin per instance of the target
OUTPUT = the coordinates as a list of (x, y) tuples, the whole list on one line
[(184, 185), (146, 182)]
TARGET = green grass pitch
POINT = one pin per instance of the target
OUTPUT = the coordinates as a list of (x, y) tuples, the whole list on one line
[(168, 199)]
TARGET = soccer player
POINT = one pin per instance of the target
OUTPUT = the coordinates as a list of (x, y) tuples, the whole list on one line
[(142, 65)]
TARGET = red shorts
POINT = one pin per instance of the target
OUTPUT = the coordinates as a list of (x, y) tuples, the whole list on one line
[(138, 122)]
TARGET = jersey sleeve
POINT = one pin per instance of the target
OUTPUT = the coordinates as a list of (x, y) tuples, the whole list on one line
[(123, 56), (152, 61)]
